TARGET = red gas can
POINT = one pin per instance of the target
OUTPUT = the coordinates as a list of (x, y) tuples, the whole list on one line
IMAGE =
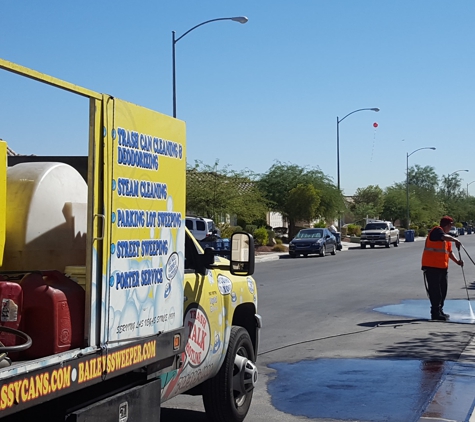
[(11, 302), (53, 313)]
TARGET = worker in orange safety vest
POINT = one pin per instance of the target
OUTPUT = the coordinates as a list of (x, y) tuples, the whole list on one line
[(435, 264)]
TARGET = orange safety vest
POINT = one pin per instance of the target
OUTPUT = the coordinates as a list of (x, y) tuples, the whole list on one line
[(436, 254)]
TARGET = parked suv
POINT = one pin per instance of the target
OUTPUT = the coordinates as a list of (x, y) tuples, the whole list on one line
[(201, 227), (379, 233)]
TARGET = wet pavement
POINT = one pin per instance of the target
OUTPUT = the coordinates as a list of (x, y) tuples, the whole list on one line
[(392, 390), (460, 311), (356, 389)]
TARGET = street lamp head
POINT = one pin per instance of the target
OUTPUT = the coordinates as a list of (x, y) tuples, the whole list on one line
[(374, 109), (457, 171), (433, 148), (240, 19)]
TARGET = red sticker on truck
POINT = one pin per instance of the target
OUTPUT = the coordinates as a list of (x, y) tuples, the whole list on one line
[(197, 345)]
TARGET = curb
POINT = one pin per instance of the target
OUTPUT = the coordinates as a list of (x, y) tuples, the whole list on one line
[(273, 256)]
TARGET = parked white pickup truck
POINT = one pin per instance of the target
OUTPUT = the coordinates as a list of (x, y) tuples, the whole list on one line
[(379, 233)]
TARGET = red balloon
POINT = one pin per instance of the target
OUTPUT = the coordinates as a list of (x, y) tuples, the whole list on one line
[(375, 124)]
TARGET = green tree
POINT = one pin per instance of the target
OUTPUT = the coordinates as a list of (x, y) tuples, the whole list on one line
[(423, 177), (394, 206), (277, 183), (424, 204), (367, 201), (215, 192), (303, 202), (451, 188)]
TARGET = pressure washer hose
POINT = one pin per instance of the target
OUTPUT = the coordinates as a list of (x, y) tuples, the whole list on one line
[(463, 272), (469, 257)]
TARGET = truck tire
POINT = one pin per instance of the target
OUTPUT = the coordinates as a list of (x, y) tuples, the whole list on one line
[(396, 243), (388, 243), (228, 395), (362, 245)]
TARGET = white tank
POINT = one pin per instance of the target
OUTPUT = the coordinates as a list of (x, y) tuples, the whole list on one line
[(46, 217)]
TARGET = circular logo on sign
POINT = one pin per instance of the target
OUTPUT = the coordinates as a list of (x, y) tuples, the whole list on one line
[(250, 285), (197, 345), (172, 266), (225, 285)]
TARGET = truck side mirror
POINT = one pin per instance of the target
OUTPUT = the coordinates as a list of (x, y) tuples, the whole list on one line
[(242, 254)]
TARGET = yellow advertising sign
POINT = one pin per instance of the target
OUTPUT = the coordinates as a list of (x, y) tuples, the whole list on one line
[(147, 213)]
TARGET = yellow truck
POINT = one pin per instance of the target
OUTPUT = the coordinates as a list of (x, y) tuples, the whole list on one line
[(109, 306)]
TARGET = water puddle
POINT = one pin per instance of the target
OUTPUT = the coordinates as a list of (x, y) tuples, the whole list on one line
[(459, 310), (356, 389)]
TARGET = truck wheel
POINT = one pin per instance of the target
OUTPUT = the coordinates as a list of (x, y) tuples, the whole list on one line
[(388, 243), (396, 243), (334, 250), (363, 245), (371, 246), (227, 396)]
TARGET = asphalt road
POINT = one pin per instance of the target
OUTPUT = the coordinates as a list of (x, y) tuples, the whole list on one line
[(321, 311)]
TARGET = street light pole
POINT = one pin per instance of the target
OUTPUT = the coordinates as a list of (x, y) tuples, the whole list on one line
[(240, 19), (338, 121), (468, 184), (407, 182)]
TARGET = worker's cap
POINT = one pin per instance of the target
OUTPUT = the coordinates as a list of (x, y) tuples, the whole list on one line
[(446, 220)]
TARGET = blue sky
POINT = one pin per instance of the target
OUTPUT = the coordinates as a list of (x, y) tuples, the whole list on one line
[(251, 94)]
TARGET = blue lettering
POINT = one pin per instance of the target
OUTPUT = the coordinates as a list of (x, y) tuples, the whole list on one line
[(127, 280), (130, 218), (127, 187)]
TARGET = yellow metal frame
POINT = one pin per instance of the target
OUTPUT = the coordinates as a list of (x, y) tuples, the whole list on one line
[(50, 80), (3, 196), (95, 171)]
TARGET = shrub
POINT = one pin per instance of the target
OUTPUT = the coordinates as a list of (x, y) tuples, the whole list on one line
[(271, 238), (422, 232), (227, 230), (261, 236), (402, 233), (414, 227), (344, 231), (278, 241), (320, 224), (251, 228), (354, 230), (458, 225), (279, 248)]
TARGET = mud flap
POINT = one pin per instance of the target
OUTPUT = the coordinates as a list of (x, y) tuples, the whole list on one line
[(136, 404)]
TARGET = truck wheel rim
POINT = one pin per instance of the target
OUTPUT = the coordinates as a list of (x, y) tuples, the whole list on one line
[(244, 376)]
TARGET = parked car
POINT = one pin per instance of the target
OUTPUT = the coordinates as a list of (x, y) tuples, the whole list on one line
[(379, 233), (201, 227), (454, 231), (313, 241)]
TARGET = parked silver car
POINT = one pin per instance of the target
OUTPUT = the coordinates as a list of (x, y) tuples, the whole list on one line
[(454, 231)]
